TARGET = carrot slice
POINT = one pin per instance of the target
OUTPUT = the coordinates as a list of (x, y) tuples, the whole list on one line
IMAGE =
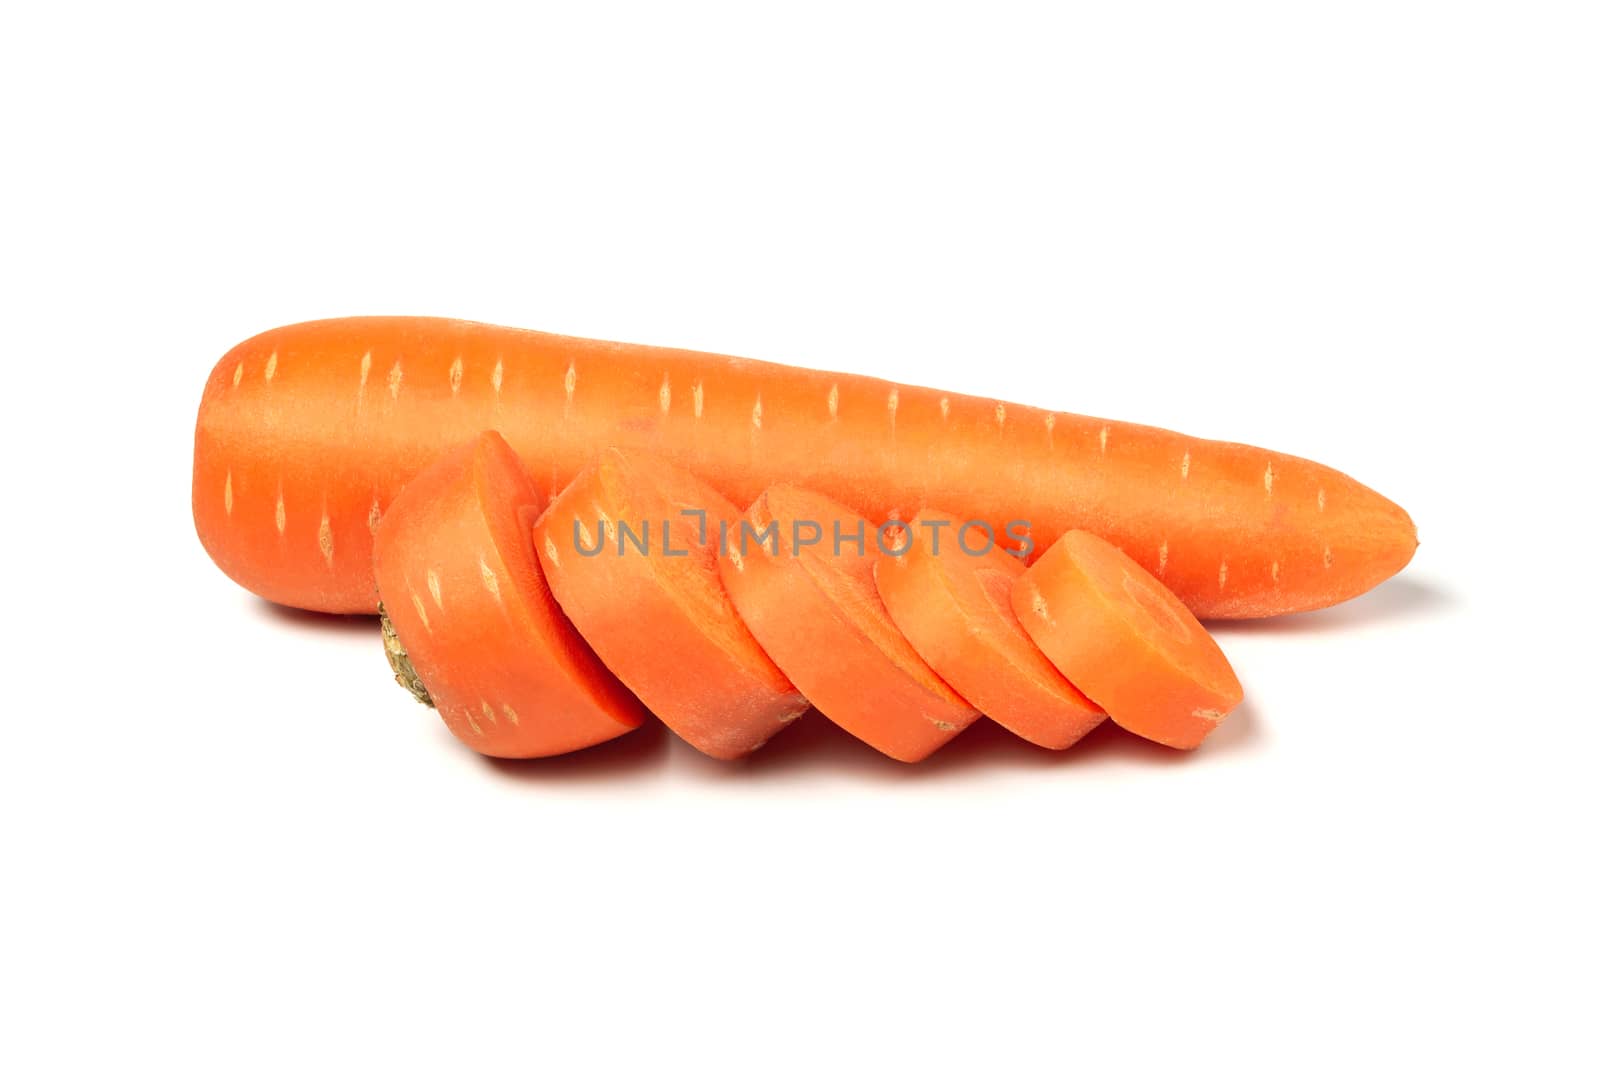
[(1126, 641), (630, 552), (809, 598), (953, 603), (470, 624)]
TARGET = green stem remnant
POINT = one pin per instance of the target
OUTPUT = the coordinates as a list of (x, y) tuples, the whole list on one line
[(400, 663)]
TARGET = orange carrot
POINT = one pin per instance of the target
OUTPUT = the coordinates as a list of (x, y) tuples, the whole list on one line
[(471, 627), (949, 592), (1126, 641), (799, 570), (630, 552), (305, 433)]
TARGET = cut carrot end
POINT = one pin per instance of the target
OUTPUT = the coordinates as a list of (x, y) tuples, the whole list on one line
[(629, 551), (808, 596), (1123, 638), (955, 609), (469, 606)]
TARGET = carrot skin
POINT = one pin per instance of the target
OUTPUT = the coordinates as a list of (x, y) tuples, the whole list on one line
[(306, 432), (504, 668)]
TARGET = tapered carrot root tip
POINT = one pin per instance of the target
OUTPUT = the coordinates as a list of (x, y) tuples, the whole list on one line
[(1126, 641), (405, 675)]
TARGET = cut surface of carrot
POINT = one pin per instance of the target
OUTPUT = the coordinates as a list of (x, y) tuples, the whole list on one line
[(630, 552), (306, 432), (475, 629), (953, 603), (808, 596), (1123, 638)]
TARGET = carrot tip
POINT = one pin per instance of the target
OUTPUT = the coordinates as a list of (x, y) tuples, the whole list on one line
[(404, 674)]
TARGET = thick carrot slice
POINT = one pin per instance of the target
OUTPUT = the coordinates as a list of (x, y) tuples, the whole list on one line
[(809, 598), (306, 432), (951, 596), (630, 552), (470, 625), (1126, 641)]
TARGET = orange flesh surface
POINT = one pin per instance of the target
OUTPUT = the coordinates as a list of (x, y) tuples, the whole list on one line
[(955, 609), (662, 622), (457, 575), (819, 616), (1126, 641)]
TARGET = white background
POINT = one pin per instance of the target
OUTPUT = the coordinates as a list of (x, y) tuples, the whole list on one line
[(1362, 232)]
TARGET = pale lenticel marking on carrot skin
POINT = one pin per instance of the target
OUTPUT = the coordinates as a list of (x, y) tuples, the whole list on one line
[(490, 582), (361, 387), (1105, 433), (395, 374), (1161, 561), (791, 716), (1000, 415), (467, 714), (455, 376), (894, 406), (1040, 608), (1050, 429), (1184, 468), (272, 365), (1322, 499), (280, 515), (1274, 572), (325, 536), (433, 588), (510, 713), (227, 494), (488, 712), (422, 612), (944, 408), (755, 414), (1268, 478), (550, 550), (1222, 575), (238, 373), (665, 395), (1209, 714), (1327, 557), (498, 376), (374, 515), (940, 724), (833, 401), (699, 399), (569, 383)]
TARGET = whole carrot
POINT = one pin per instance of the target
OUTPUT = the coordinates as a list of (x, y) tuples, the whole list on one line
[(306, 432)]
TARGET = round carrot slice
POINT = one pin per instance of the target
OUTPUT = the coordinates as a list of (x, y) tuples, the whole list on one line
[(470, 625), (953, 603), (799, 570), (630, 552), (1124, 639)]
